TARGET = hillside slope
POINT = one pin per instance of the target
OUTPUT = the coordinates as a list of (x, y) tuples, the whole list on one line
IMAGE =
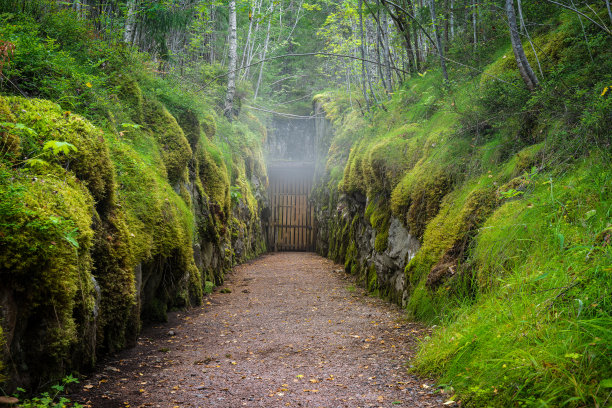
[(122, 195), (485, 209)]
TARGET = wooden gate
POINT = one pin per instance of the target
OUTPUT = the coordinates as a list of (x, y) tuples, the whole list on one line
[(290, 224)]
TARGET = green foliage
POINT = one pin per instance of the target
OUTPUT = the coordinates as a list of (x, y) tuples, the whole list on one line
[(175, 151), (52, 399), (509, 197), (87, 199), (43, 217)]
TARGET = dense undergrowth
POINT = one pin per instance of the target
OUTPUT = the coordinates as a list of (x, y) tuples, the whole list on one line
[(510, 196), (123, 194)]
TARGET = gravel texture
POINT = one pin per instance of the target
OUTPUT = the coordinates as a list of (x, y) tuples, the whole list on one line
[(286, 330)]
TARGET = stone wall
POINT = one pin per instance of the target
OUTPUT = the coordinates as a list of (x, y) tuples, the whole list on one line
[(345, 231)]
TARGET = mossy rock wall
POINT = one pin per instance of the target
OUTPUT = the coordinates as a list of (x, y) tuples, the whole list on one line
[(135, 221)]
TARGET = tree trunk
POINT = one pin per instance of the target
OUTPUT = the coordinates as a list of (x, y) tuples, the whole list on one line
[(474, 23), (452, 19), (211, 36), (524, 29), (418, 50), (519, 54), (434, 21), (233, 57), (362, 50), (244, 60), (265, 50), (609, 10), (251, 51), (387, 52)]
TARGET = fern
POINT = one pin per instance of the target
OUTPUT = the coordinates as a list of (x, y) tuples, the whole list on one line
[(59, 147)]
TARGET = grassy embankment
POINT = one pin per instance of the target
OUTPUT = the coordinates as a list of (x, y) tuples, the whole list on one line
[(510, 194)]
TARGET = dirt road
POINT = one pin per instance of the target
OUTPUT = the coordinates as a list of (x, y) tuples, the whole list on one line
[(293, 332)]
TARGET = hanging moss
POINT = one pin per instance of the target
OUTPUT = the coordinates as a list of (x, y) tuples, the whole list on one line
[(46, 236), (372, 279), (418, 196), (173, 144), (119, 318), (213, 174)]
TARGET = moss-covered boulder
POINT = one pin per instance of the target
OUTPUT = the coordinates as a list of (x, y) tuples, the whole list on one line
[(171, 139), (47, 270), (90, 163)]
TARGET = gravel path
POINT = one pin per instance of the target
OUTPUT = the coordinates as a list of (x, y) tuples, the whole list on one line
[(293, 332)]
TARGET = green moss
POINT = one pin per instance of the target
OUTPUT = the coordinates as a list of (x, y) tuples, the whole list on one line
[(188, 121), (209, 125), (90, 163), (372, 279), (9, 140), (46, 235), (214, 176), (130, 94), (175, 150), (418, 196), (380, 217)]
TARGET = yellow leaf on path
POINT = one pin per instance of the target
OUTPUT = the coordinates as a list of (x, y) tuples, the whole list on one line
[(141, 390)]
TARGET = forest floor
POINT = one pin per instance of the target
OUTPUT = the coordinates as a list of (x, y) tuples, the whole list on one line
[(286, 330)]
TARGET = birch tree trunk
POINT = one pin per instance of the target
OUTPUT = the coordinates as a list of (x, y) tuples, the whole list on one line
[(244, 60), (434, 22), (233, 57), (452, 19), (265, 50), (251, 51), (519, 54), (474, 23), (130, 22)]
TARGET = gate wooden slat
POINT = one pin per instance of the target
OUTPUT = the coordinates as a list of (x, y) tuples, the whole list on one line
[(290, 226)]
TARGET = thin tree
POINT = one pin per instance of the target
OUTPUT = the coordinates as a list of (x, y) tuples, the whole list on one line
[(362, 50), (233, 59), (244, 60), (434, 20), (265, 50), (524, 29), (452, 19), (531, 81), (130, 22)]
